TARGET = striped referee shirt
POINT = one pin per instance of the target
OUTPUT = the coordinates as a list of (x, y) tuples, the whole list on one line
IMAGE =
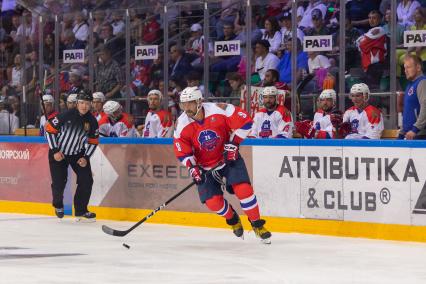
[(72, 133)]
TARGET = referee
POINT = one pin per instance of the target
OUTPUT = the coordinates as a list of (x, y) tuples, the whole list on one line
[(73, 137)]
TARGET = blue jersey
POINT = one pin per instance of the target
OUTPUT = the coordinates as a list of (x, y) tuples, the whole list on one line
[(411, 105)]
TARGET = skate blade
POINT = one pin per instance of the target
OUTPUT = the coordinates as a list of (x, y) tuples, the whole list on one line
[(84, 220), (266, 241)]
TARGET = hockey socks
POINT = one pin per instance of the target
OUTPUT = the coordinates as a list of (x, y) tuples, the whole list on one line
[(248, 201), (221, 206)]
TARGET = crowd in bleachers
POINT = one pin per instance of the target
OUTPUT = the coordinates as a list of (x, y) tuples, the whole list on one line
[(367, 29)]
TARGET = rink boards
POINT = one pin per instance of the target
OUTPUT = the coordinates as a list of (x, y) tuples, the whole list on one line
[(374, 189)]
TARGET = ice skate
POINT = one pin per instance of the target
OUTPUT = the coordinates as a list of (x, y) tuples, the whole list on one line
[(59, 212), (261, 232), (86, 217), (236, 225)]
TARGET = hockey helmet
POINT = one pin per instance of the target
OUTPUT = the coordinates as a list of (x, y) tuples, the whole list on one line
[(99, 96), (48, 99), (72, 98), (190, 94), (361, 88), (156, 92), (270, 91), (111, 106), (328, 94)]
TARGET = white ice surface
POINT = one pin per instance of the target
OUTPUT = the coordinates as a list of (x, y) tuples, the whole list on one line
[(175, 254)]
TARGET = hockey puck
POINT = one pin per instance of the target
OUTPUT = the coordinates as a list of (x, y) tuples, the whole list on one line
[(126, 246)]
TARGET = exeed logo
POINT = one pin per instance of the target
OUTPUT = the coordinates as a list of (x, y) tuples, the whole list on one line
[(157, 171)]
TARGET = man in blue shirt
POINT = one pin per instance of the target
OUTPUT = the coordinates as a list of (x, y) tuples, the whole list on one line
[(414, 113)]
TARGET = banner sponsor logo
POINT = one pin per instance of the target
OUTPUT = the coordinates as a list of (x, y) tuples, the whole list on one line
[(227, 48), (318, 43), (15, 154), (256, 101), (415, 38), (146, 52), (73, 56)]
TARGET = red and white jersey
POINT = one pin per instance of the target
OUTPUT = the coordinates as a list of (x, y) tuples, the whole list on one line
[(365, 123), (158, 124), (121, 128), (43, 121), (272, 124), (323, 126), (99, 115), (203, 142)]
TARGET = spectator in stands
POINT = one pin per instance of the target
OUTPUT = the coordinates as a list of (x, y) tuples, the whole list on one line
[(158, 122), (117, 23), (81, 28), (414, 112), (26, 29), (8, 50), (229, 11), (76, 81), (196, 43), (405, 12), (115, 44), (49, 49), (359, 10), (352, 55), (70, 42), (265, 60), (109, 78), (284, 66), (15, 106), (16, 22), (8, 121), (180, 63), (306, 21), (372, 46), (236, 82), (273, 120), (72, 101), (116, 123), (318, 70), (97, 105), (193, 79), (15, 78), (98, 21), (318, 26), (272, 34), (151, 29), (285, 23), (362, 120)]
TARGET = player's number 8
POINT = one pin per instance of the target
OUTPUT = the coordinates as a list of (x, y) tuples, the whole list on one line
[(178, 147)]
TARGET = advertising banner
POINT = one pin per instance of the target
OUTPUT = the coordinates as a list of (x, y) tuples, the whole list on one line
[(256, 99)]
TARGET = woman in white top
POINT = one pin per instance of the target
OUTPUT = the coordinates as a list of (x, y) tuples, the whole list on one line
[(81, 28), (272, 34), (405, 12)]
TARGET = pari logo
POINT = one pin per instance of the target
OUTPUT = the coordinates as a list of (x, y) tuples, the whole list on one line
[(227, 48), (208, 140), (146, 52), (318, 43), (415, 38), (73, 56)]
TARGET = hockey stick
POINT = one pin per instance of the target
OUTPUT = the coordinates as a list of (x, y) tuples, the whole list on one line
[(119, 233), (41, 95)]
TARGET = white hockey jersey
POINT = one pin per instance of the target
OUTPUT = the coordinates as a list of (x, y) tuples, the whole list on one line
[(365, 123), (121, 128), (272, 124), (158, 124), (323, 126)]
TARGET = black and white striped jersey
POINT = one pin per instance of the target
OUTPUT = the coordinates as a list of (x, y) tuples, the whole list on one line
[(73, 133)]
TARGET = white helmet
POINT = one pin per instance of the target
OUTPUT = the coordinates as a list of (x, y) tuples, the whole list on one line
[(361, 88), (111, 106), (270, 91), (157, 93), (48, 99), (72, 98), (328, 94), (190, 94), (99, 96)]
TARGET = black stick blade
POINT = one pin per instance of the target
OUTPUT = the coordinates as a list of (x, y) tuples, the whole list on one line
[(112, 232)]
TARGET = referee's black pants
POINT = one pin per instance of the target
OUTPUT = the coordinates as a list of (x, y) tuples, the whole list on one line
[(59, 174)]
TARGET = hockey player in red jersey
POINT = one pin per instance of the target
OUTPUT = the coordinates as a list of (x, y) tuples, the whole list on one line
[(327, 119), (273, 120), (116, 123), (205, 135), (365, 120), (158, 122)]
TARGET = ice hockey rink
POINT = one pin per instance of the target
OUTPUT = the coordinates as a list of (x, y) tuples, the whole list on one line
[(41, 249)]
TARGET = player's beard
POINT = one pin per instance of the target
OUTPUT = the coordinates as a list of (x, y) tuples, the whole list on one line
[(270, 105)]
